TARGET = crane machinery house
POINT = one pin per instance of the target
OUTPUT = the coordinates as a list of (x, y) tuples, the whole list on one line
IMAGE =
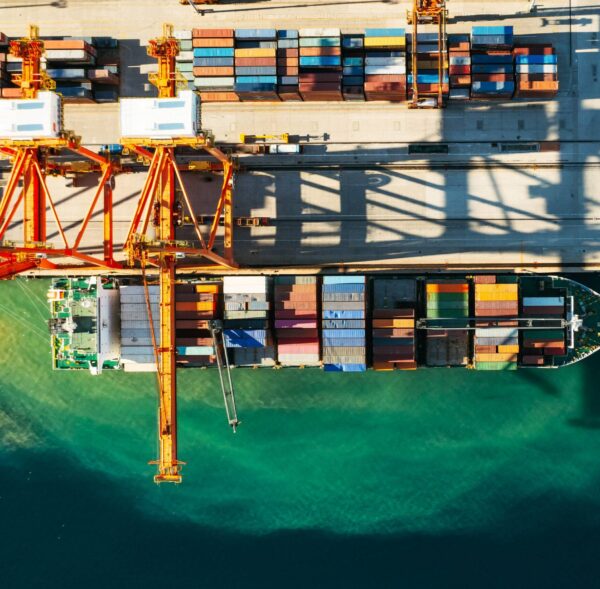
[(160, 118), (37, 118)]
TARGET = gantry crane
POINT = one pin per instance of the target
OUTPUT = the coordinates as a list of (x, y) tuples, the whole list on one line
[(32, 161), (158, 200), (428, 12)]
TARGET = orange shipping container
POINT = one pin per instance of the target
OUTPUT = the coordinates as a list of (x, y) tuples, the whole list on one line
[(319, 51), (195, 306), (256, 61), (213, 71), (212, 33), (508, 349), (214, 288), (219, 97), (212, 42)]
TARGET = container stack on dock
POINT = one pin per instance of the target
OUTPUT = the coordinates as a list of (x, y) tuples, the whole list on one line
[(137, 352), (428, 76), (246, 327), (320, 64), (459, 66), (343, 308), (492, 63), (540, 346), (213, 70), (496, 336), (254, 80), (536, 71), (385, 64), (296, 316), (185, 59), (288, 65), (353, 64), (449, 300), (394, 302), (195, 305)]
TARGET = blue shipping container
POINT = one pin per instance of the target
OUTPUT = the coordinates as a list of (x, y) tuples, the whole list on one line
[(485, 58), (344, 279), (385, 32), (213, 62), (255, 34), (250, 88), (323, 61), (536, 59), (493, 87), (492, 69), (214, 52), (255, 71), (343, 314), (287, 34), (494, 40), (494, 30), (255, 80)]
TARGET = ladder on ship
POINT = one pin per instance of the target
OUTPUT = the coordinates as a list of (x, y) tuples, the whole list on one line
[(216, 331)]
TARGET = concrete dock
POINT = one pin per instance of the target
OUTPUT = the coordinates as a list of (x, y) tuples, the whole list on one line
[(357, 196)]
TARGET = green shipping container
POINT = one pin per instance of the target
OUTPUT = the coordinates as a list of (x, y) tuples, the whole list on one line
[(447, 296), (544, 334), (496, 366)]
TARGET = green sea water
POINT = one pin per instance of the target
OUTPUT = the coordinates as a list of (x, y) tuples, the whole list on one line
[(433, 478)]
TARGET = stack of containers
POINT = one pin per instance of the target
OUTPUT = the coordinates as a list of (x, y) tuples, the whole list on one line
[(105, 76), (13, 65), (496, 339), (288, 65), (67, 61), (496, 348), (245, 325), (256, 64), (459, 66), (213, 51), (447, 299), (320, 64), (544, 306), (185, 59), (344, 346), (353, 64), (536, 71), (296, 316), (492, 63), (137, 351), (195, 305), (428, 76), (385, 64), (394, 324), (541, 345)]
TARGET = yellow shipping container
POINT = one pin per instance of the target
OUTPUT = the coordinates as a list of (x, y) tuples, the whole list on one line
[(403, 322), (256, 52), (192, 306), (496, 296), (495, 357), (495, 287), (385, 41), (214, 288), (508, 349)]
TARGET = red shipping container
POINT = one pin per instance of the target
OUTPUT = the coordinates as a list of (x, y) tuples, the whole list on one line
[(454, 70), (543, 310), (298, 349), (322, 87), (319, 51), (459, 81), (544, 344), (492, 77), (556, 351), (320, 77), (256, 61), (485, 349), (534, 49), (393, 313), (386, 78), (537, 78), (458, 53), (463, 47), (385, 87), (533, 360), (212, 33)]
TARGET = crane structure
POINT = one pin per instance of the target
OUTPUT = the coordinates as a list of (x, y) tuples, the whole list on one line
[(32, 161), (428, 12), (158, 202)]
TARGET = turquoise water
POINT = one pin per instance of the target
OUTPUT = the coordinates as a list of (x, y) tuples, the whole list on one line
[(435, 478)]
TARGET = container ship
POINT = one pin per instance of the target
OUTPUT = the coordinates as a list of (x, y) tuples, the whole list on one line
[(347, 323)]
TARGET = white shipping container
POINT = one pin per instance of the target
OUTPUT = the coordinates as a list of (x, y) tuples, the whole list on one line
[(244, 284), (67, 55), (182, 35), (385, 69), (385, 61), (217, 82), (136, 367), (319, 32), (460, 60), (537, 68), (31, 118), (185, 56), (160, 118), (459, 94), (138, 289)]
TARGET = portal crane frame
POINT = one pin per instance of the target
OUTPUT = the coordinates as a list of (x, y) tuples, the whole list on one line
[(158, 197), (31, 163)]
